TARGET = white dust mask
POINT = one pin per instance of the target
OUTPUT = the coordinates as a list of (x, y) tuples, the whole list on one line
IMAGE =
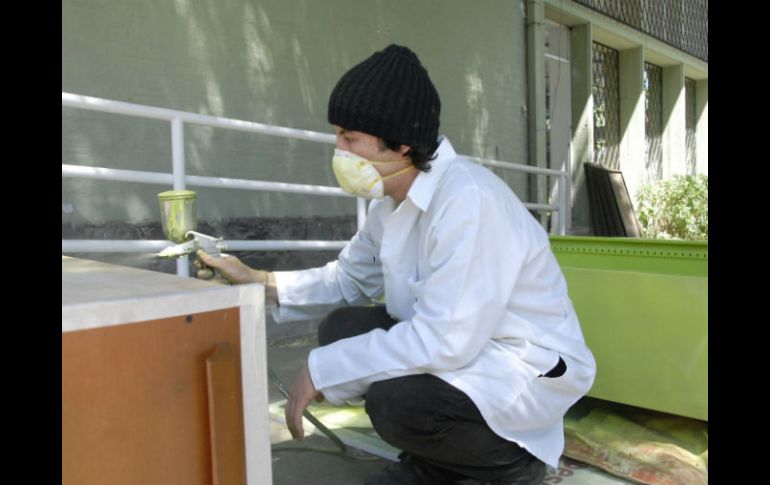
[(357, 175)]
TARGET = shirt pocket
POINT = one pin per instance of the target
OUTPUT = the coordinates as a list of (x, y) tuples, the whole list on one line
[(540, 359), (416, 288)]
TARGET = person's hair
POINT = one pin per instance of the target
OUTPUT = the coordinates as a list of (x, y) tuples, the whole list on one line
[(419, 155)]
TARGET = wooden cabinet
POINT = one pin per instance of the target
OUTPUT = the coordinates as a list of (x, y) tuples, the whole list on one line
[(163, 379)]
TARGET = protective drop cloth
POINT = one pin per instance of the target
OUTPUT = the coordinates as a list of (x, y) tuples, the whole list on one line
[(637, 444)]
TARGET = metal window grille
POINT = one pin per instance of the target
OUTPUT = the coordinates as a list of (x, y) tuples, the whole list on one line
[(653, 119), (680, 23), (689, 100), (606, 91)]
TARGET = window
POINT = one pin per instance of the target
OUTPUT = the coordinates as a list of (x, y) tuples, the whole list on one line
[(653, 120), (606, 93)]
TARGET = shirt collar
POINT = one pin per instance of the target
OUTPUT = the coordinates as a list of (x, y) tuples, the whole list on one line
[(423, 187)]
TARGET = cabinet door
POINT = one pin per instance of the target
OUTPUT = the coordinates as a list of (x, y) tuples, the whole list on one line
[(136, 401)]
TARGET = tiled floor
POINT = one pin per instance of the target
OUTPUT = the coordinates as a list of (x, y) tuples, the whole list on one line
[(317, 461)]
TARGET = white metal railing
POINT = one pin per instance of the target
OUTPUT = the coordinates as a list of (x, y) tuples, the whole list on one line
[(179, 180)]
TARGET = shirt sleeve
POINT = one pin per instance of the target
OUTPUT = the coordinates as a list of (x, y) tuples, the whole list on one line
[(355, 278), (475, 257)]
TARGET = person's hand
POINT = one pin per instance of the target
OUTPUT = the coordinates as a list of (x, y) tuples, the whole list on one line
[(230, 267), (203, 272), (302, 393), (235, 272)]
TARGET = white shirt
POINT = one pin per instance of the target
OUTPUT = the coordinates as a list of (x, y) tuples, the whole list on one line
[(479, 297)]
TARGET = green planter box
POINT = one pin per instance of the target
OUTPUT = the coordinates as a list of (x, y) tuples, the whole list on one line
[(643, 307)]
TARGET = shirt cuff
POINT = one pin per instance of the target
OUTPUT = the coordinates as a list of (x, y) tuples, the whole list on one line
[(337, 395), (280, 285)]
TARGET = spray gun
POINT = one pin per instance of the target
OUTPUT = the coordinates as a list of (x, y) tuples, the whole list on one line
[(179, 221), (211, 245)]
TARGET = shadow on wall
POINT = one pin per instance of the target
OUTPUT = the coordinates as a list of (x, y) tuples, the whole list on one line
[(217, 59)]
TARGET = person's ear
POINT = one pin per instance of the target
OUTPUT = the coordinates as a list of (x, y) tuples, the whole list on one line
[(404, 150)]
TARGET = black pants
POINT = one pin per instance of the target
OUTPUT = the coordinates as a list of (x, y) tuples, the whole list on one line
[(426, 417)]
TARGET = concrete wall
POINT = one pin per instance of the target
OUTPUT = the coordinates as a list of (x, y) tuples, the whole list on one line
[(270, 61)]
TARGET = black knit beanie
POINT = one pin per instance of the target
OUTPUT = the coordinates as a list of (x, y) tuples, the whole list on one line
[(388, 95)]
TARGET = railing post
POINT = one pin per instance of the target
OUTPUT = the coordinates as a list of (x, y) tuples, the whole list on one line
[(562, 205), (177, 172), (567, 181), (361, 211), (177, 153)]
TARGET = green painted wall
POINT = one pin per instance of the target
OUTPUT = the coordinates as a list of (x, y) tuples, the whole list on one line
[(270, 61)]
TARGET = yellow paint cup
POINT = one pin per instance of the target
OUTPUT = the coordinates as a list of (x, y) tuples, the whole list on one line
[(177, 214)]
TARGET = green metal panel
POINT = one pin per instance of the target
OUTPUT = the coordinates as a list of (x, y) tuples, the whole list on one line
[(643, 307), (623, 254)]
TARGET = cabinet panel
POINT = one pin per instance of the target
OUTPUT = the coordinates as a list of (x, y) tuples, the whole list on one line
[(135, 401)]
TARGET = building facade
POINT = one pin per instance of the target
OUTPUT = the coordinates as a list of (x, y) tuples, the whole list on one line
[(548, 83)]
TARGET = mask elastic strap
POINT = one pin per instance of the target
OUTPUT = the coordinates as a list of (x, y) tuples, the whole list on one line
[(389, 161), (398, 172), (375, 182)]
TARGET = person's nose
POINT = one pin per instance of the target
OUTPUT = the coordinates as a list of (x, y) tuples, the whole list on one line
[(342, 144)]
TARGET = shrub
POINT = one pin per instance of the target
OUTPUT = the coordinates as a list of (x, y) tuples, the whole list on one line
[(677, 208)]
